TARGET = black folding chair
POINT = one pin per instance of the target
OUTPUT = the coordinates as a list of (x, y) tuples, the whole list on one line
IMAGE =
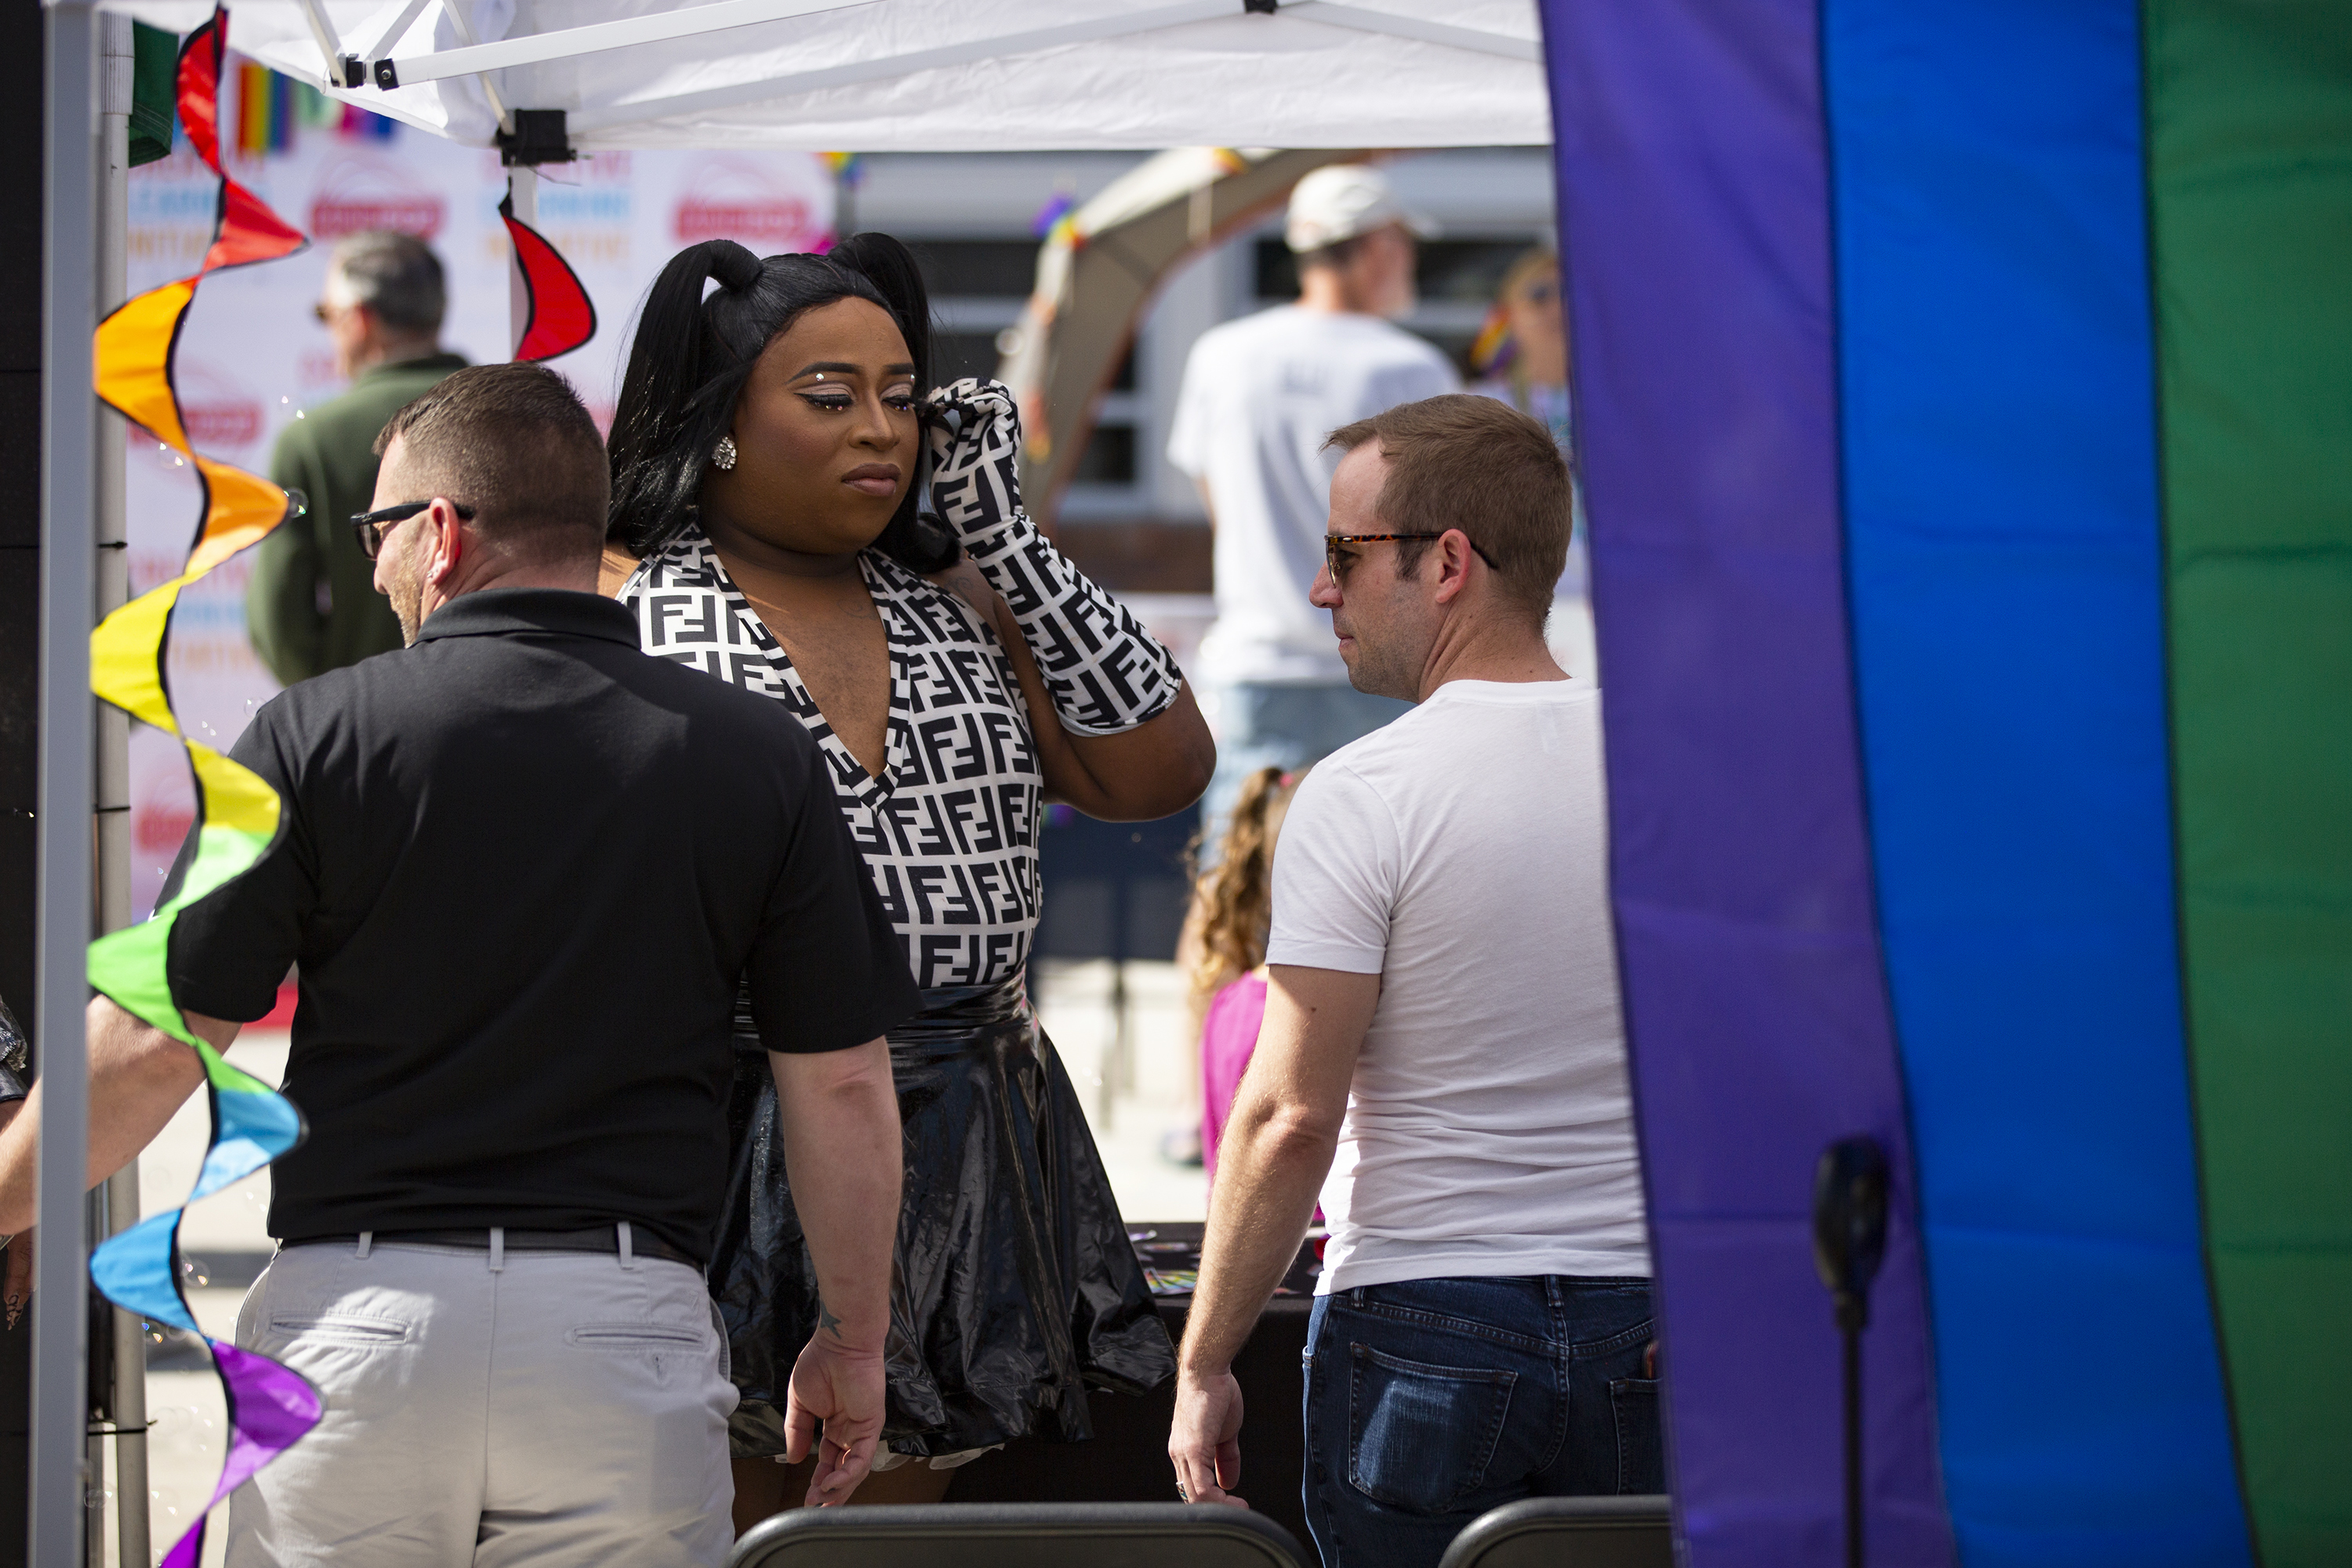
[(1569, 1532), (1019, 1535)]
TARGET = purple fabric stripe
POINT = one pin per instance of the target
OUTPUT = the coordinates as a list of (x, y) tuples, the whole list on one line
[(271, 1407), (1694, 203)]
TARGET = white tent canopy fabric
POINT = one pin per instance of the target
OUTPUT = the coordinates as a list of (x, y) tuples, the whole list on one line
[(889, 75)]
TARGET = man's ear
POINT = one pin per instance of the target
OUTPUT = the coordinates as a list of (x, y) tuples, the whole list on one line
[(448, 543), (1452, 554)]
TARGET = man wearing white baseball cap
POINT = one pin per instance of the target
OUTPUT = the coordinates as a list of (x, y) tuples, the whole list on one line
[(1259, 397)]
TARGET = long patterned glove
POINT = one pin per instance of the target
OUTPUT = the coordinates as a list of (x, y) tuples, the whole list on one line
[(1105, 673)]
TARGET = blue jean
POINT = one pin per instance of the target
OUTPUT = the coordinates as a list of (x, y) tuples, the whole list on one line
[(1259, 725), (1430, 1401)]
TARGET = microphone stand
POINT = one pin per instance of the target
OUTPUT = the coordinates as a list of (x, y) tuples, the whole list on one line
[(1848, 1241)]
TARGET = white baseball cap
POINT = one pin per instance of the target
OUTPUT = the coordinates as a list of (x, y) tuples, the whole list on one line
[(1340, 200)]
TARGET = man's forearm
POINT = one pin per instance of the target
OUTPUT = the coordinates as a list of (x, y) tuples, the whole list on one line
[(1277, 1151), (1269, 1169), (839, 1111), (137, 1076)]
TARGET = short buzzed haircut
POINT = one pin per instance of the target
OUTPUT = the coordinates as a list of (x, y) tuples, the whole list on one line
[(396, 276), (1479, 465), (1335, 255), (515, 443)]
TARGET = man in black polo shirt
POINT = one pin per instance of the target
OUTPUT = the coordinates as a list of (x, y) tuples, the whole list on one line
[(523, 867)]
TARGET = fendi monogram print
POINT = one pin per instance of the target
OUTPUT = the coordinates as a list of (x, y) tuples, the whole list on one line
[(1105, 673), (949, 830)]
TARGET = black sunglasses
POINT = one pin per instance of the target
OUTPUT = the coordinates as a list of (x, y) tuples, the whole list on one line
[(370, 525), (1331, 543)]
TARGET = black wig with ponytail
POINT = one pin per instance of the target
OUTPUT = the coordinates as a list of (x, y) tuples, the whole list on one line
[(693, 354)]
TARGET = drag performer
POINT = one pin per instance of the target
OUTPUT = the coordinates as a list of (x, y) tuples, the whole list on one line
[(957, 671)]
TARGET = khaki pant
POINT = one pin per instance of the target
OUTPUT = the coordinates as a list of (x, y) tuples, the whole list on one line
[(488, 1411)]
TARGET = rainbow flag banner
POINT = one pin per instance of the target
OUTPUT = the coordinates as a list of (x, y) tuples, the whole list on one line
[(1965, 398), (267, 107)]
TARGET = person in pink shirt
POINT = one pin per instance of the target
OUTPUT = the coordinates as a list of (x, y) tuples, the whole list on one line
[(1224, 947)]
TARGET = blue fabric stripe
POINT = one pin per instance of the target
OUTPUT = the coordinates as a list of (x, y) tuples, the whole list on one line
[(2002, 531)]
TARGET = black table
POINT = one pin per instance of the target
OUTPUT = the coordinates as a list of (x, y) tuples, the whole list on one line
[(1128, 1460)]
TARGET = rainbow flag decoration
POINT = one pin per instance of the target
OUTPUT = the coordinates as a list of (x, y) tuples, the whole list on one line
[(266, 111), (1054, 214), (271, 106), (1494, 348), (268, 1406), (360, 125), (1965, 404)]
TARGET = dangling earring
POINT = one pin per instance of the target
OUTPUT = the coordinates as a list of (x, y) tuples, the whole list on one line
[(722, 457)]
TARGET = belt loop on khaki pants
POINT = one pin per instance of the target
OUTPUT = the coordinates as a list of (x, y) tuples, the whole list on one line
[(628, 1253), (498, 1248), (367, 1244)]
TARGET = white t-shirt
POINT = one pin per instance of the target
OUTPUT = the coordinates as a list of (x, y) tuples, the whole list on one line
[(1461, 855), (1259, 397)]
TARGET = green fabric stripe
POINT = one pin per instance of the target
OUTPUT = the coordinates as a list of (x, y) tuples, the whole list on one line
[(130, 964), (154, 92), (2249, 147)]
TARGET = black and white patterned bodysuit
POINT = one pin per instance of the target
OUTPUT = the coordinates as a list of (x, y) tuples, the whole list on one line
[(949, 830)]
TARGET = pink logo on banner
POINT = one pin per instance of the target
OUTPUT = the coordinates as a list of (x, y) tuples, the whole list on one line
[(221, 417), (160, 829), (359, 192), (737, 199)]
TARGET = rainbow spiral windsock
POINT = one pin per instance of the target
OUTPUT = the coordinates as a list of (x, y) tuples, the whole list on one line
[(1965, 418), (269, 1406)]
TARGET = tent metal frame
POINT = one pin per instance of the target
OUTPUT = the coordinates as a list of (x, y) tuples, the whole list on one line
[(568, 43), (387, 71)]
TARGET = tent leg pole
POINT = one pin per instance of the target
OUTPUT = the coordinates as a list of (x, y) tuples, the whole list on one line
[(523, 184), (127, 1398), (68, 738), (131, 1501), (127, 1402), (100, 1371)]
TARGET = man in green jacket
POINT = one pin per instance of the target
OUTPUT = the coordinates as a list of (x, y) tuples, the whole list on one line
[(311, 604)]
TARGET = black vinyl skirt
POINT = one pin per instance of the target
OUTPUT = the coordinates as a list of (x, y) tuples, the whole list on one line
[(1016, 1286)]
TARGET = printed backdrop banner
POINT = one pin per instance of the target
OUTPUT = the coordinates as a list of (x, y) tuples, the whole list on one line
[(252, 357)]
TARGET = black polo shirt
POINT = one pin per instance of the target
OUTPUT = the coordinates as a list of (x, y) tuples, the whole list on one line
[(522, 866)]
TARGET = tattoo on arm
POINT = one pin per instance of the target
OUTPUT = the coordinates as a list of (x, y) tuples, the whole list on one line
[(825, 1320)]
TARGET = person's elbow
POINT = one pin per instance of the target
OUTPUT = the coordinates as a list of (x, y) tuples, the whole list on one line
[(1189, 778), (1185, 777), (1290, 1131), (131, 1057), (1171, 778), (854, 1082)]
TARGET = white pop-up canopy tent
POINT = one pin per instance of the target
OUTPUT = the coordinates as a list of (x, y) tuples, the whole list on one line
[(881, 76), (886, 76), (959, 76)]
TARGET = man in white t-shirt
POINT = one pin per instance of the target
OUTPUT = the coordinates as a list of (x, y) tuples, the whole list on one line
[(1443, 1039), (1259, 394)]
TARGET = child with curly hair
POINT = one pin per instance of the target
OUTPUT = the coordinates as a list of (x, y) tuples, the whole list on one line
[(1224, 947)]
